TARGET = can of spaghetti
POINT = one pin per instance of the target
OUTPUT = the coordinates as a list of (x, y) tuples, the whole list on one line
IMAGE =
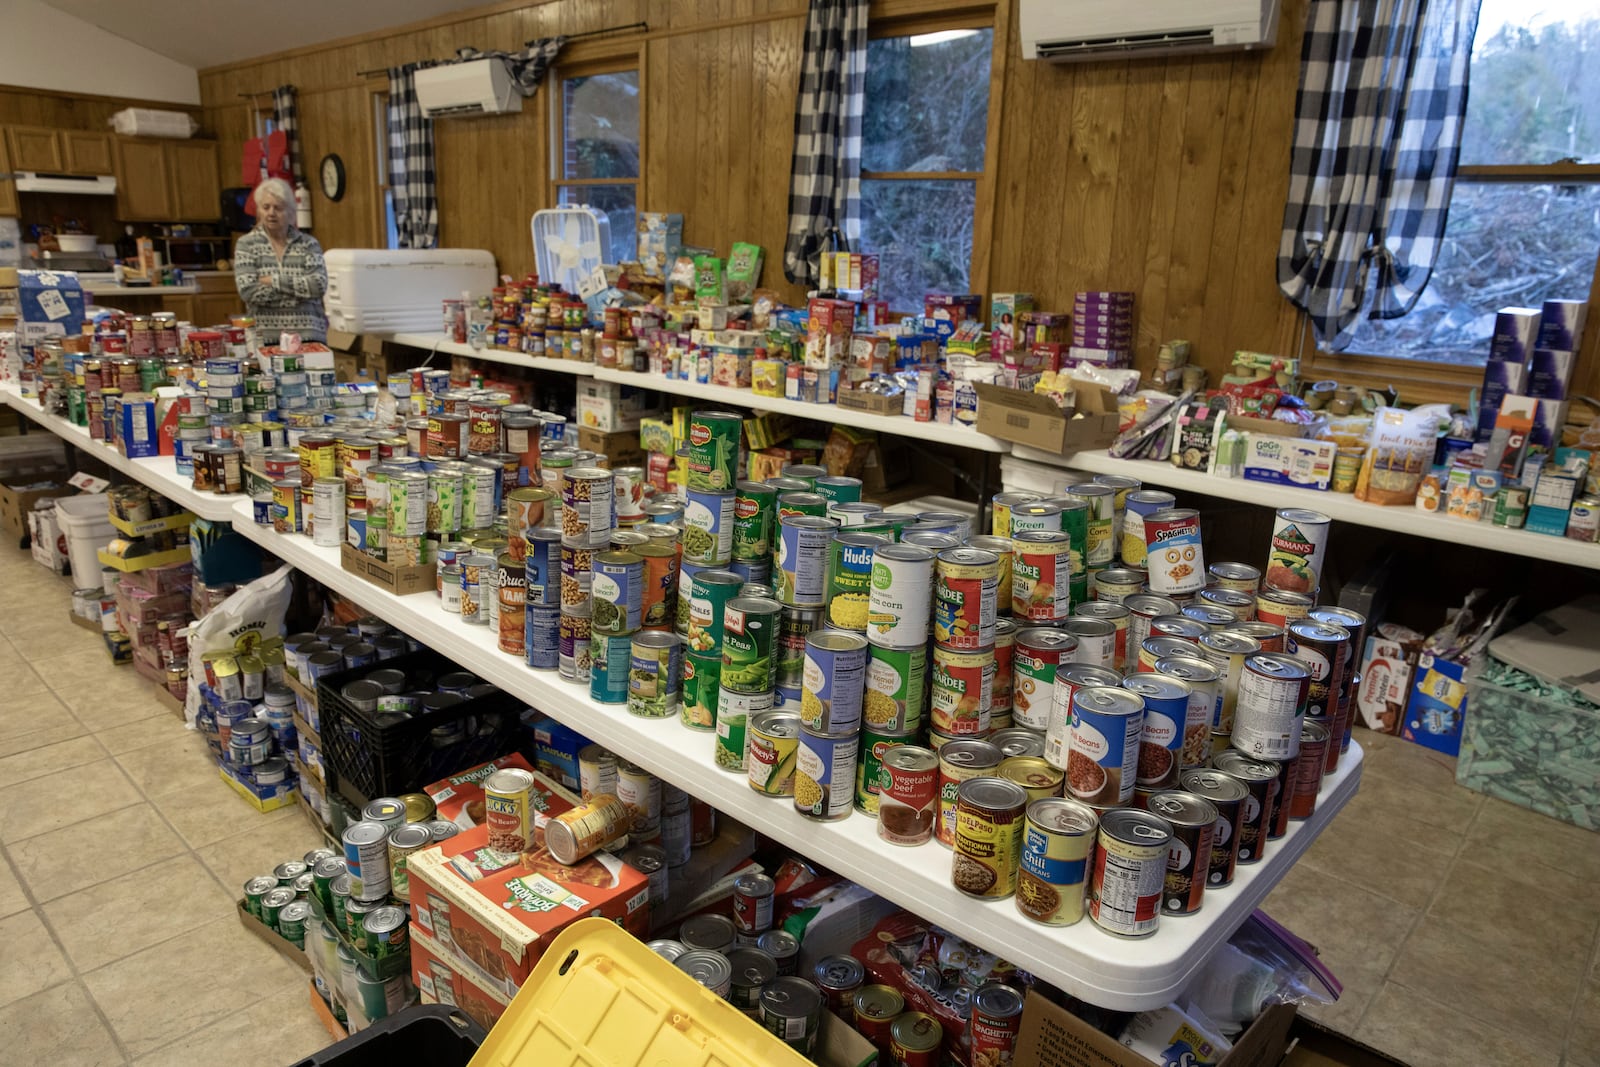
[(1070, 677), (1041, 576), (995, 1023), (961, 689), (833, 682), (1100, 546), (1039, 651), (960, 761), (1270, 711), (1238, 577), (1129, 874), (1227, 651), (1193, 820), (1280, 607), (1228, 794), (1205, 689), (1136, 506), (901, 601), (1309, 767), (572, 661), (1116, 614), (1326, 650), (1166, 710), (990, 817), (825, 775), (1001, 696), (966, 583), (1143, 610), (1260, 777), (801, 571), (869, 763), (772, 741), (1117, 584), (701, 671), (1057, 841), (1176, 562), (1097, 639), (850, 578), (1241, 606), (908, 794)]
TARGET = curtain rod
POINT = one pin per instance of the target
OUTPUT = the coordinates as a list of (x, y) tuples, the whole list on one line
[(571, 37)]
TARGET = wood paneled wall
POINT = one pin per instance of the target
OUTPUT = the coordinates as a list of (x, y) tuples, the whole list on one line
[(69, 111), (1163, 176)]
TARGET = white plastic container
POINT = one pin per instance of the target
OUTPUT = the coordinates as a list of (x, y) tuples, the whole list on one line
[(395, 290), (86, 523), (152, 122)]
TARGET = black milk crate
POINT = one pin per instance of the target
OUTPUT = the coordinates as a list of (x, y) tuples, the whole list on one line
[(435, 1034), (372, 759)]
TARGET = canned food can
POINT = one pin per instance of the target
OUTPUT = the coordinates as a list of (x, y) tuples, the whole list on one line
[(783, 947), (542, 568), (1000, 506), (1309, 767), (1280, 607), (1002, 693), (1166, 712), (1128, 878), (1326, 650), (640, 793), (1134, 547), (1192, 820), (1205, 690), (1143, 610), (508, 809), (755, 507), (712, 443), (1296, 552), (597, 772), (908, 794), (654, 674), (990, 816), (610, 659), (795, 626), (874, 1010), (896, 687), (824, 780), (1118, 616), (710, 969), (1236, 602), (1070, 677), (996, 1021), (1103, 746), (541, 635), (833, 682), (1033, 773), (733, 715), (966, 588), (587, 507), (960, 691), (1227, 651), (709, 593), (1271, 709), (1261, 778), (752, 906), (839, 977), (850, 578), (1176, 561), (801, 570), (773, 743), (749, 645), (874, 745), (1237, 577), (801, 502), (960, 761), (901, 602), (1057, 840), (1228, 794), (366, 859), (618, 591), (914, 1040), (701, 671), (708, 528), (1116, 584), (573, 659), (667, 948), (1097, 639)]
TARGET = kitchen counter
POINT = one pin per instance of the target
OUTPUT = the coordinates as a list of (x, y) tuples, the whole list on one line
[(155, 291)]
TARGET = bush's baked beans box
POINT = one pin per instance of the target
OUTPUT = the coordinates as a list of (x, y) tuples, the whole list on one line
[(498, 918), (442, 978)]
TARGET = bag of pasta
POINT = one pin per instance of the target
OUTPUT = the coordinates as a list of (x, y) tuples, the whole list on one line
[(1399, 453)]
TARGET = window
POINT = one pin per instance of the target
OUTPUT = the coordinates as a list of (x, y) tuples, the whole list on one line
[(598, 152), (923, 155), (1524, 221), (385, 201)]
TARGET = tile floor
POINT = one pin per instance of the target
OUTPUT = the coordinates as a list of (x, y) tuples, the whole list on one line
[(1464, 929)]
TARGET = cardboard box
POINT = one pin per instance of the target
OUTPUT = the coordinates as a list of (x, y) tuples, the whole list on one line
[(620, 448), (49, 545), (22, 491), (1438, 705), (871, 403), (459, 798), (1293, 461), (442, 978), (610, 407), (1051, 1036), (1315, 1045), (1029, 418), (397, 579), (498, 912), (286, 949), (1254, 424)]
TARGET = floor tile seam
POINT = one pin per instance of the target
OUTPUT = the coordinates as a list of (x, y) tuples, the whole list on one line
[(64, 826), (107, 881), (1399, 948), (1515, 1034), (220, 1020), (105, 754)]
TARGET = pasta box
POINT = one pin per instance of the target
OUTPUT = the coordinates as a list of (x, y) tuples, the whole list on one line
[(497, 911), (442, 978)]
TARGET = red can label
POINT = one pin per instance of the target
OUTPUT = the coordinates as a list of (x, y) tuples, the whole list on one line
[(994, 1038), (1041, 581)]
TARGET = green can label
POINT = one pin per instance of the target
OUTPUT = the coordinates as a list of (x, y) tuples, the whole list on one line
[(733, 719), (713, 448), (869, 764), (850, 580), (748, 643), (701, 670), (755, 509), (897, 688), (1075, 523), (654, 675), (709, 594)]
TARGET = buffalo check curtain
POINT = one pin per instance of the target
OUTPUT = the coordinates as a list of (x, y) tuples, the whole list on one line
[(527, 67), (1383, 91), (286, 117), (411, 173), (825, 174)]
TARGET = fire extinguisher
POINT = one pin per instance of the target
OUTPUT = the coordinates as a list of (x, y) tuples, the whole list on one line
[(302, 206)]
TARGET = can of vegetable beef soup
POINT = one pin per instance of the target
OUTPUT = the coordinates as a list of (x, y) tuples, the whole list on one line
[(1128, 877), (908, 795), (1228, 794), (1193, 821)]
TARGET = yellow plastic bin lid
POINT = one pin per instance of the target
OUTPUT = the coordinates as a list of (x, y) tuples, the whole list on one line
[(600, 998)]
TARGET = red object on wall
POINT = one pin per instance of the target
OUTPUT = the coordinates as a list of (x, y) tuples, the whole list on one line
[(264, 157)]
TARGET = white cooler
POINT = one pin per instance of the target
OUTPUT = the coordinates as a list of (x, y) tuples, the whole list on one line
[(378, 290)]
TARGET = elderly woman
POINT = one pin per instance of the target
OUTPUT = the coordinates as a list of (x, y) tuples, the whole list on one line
[(279, 270)]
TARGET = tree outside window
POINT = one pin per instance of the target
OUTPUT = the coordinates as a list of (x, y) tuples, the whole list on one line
[(600, 155)]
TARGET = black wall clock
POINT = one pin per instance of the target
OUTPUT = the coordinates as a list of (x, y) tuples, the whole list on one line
[(333, 177)]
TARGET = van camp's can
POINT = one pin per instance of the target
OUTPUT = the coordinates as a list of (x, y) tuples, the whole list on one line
[(896, 687), (709, 592), (824, 779), (1192, 820), (1039, 651), (990, 817), (1117, 584), (1103, 746), (1205, 690), (610, 658), (1128, 876), (1070, 677), (1176, 561), (1227, 651), (749, 645), (960, 761), (1097, 638), (1326, 650), (587, 507), (654, 674), (876, 744), (1041, 576), (1057, 841), (833, 681), (1270, 711), (618, 591), (1297, 550), (1143, 610), (640, 793), (1228, 794), (801, 571), (961, 690), (755, 509), (901, 602), (908, 794), (712, 444), (850, 578), (1166, 709), (1000, 506), (772, 749), (1135, 507), (1280, 607), (1260, 777)]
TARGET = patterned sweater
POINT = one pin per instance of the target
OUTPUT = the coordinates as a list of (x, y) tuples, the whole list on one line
[(288, 299)]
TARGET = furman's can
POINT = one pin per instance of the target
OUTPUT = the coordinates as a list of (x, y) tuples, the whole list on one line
[(801, 571), (790, 1009), (1176, 561), (709, 592), (990, 816), (908, 794), (1135, 507), (825, 776), (1326, 650), (587, 507), (875, 744), (960, 761), (1057, 841), (712, 444), (610, 658), (655, 672), (960, 691), (966, 586), (1097, 638), (750, 645), (701, 674), (1228, 794), (755, 509), (1166, 710), (1227, 651), (1039, 651), (1205, 690), (772, 740), (901, 602), (996, 1021), (1192, 820), (896, 687), (1128, 878), (833, 681), (618, 591), (850, 578), (1041, 576), (1103, 746), (1261, 778), (1070, 677), (1296, 552), (707, 537), (1270, 710)]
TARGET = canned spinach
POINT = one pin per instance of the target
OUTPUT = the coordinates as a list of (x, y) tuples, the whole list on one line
[(653, 677)]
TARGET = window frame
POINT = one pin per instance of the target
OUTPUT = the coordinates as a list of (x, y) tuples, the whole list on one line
[(884, 21), (382, 207), (633, 60)]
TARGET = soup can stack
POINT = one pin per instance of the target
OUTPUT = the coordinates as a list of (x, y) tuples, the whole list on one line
[(965, 602)]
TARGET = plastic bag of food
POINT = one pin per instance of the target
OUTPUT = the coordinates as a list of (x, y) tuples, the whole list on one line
[(244, 622), (1400, 453), (1261, 965)]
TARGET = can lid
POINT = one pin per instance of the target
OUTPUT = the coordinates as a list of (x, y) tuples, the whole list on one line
[(754, 884), (1214, 785), (780, 943), (997, 1001), (1136, 827), (840, 972), (412, 835), (1062, 815), (1156, 686), (1182, 809), (752, 967), (790, 997), (992, 794)]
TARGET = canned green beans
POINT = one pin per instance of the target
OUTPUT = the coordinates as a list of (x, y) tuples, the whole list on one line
[(754, 520), (869, 763), (801, 573), (701, 671), (708, 528), (654, 674), (713, 450)]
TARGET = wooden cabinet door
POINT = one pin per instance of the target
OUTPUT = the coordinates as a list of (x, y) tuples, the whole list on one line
[(181, 305), (213, 309), (86, 152), (35, 148), (8, 188), (196, 181), (144, 188)]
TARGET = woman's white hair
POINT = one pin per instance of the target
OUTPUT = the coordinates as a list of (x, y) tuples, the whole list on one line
[(280, 191)]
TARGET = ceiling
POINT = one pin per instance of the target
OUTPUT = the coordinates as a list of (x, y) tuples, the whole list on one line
[(206, 33)]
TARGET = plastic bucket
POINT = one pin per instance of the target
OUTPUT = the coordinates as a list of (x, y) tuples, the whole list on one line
[(86, 522)]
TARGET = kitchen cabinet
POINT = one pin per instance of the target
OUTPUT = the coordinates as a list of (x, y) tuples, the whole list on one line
[(9, 206), (167, 181), (86, 152), (216, 301), (36, 148)]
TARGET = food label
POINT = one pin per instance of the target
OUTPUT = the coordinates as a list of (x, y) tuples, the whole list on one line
[(1033, 692), (897, 687), (770, 762), (1051, 875), (1041, 587), (987, 847), (849, 586), (1176, 563), (961, 693), (824, 780), (1294, 562), (708, 529)]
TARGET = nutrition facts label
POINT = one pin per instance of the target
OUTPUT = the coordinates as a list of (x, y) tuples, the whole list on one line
[(1128, 891)]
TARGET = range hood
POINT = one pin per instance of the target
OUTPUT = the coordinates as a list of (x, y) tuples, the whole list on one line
[(33, 182)]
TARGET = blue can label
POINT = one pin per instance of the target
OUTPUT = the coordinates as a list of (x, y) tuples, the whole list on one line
[(608, 671), (543, 568), (542, 635)]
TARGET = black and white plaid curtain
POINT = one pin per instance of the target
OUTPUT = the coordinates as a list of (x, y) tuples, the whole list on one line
[(825, 174), (286, 117), (411, 173), (1383, 90), (527, 67)]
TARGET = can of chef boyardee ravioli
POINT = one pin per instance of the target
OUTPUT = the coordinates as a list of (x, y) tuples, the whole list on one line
[(712, 447), (1128, 877), (960, 692), (1166, 710), (990, 817), (1205, 689), (772, 747), (1000, 693), (749, 645), (1192, 820), (896, 688), (869, 762), (901, 601), (1041, 576), (1005, 551), (1135, 507), (960, 761), (801, 571), (850, 578), (1039, 650), (1057, 841), (825, 775), (833, 682), (1176, 561), (966, 584), (1261, 778)]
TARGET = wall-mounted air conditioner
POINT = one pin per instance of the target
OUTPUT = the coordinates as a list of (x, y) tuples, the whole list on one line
[(1068, 31), (477, 87)]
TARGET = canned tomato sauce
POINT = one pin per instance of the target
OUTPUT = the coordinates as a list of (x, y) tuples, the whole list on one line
[(1281, 607), (1103, 746), (1129, 873), (990, 815), (961, 692), (1192, 820), (1057, 841), (960, 761), (908, 794)]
